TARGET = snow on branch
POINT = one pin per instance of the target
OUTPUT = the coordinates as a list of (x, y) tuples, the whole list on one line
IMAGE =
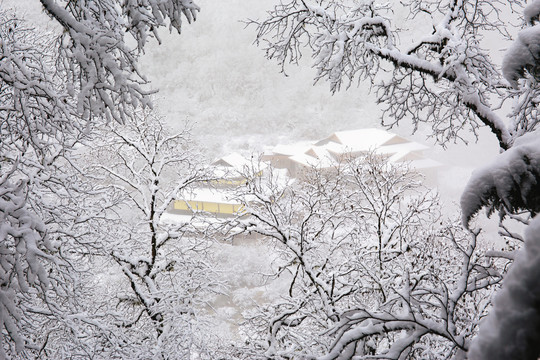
[(512, 329), (94, 52), (509, 184), (450, 72), (532, 12), (40, 223), (372, 268), (168, 275), (522, 56), (22, 269)]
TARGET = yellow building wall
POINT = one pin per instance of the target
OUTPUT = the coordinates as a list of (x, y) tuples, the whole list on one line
[(211, 207)]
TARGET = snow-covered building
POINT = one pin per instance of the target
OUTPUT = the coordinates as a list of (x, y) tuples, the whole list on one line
[(217, 201), (217, 196), (329, 151), (230, 170)]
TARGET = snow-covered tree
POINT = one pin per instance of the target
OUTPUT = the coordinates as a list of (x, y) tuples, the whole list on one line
[(164, 272), (40, 232), (511, 186), (373, 269), (53, 90), (96, 54), (443, 77)]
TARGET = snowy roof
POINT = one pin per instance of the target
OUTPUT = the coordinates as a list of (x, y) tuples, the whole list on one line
[(234, 160), (292, 149), (352, 141), (398, 152), (326, 152), (323, 160), (363, 139), (235, 165), (425, 164)]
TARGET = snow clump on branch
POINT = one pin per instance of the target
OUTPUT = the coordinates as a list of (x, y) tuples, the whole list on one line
[(532, 12), (511, 183), (524, 53), (512, 329)]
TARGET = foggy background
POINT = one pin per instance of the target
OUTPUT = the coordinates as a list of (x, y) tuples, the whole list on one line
[(216, 79)]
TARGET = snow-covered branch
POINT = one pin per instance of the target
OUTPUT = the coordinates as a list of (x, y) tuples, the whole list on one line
[(511, 330), (509, 184), (94, 53), (445, 79)]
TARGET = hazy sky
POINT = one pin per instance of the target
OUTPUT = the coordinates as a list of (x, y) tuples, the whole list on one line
[(214, 76)]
